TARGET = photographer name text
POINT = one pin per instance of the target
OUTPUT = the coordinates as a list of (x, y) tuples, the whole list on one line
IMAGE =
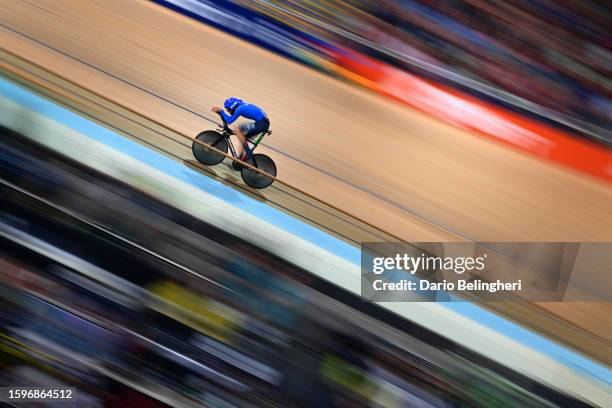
[(460, 285)]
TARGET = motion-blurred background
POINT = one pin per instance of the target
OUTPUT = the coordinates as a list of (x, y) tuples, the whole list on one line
[(142, 278)]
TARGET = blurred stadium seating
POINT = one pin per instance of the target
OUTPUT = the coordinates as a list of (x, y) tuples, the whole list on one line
[(190, 314), (554, 55)]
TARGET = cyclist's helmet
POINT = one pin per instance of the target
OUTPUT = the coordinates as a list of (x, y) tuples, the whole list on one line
[(231, 104)]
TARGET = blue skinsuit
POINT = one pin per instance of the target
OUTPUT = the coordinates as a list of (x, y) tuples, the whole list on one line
[(246, 110), (260, 122)]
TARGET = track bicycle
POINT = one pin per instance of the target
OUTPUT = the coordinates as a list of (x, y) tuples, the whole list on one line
[(220, 140)]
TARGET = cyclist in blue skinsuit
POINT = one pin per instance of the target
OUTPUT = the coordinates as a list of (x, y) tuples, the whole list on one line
[(258, 123)]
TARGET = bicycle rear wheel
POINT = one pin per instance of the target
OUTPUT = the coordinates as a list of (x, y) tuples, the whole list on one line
[(254, 178), (205, 155)]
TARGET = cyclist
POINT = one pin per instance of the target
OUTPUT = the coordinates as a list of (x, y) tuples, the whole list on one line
[(258, 122)]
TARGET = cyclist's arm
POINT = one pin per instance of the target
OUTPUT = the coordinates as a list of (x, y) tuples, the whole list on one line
[(232, 119)]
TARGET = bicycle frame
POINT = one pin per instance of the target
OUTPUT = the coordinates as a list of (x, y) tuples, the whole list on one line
[(251, 145), (216, 139)]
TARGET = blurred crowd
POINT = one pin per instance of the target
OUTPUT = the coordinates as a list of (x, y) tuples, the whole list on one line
[(135, 303), (557, 55)]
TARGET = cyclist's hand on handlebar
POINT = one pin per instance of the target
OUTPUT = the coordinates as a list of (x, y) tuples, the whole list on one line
[(216, 109)]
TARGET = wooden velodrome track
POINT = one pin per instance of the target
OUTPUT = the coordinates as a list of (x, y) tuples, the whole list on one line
[(400, 171)]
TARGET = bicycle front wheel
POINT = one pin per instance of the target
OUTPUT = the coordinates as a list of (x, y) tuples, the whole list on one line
[(202, 151)]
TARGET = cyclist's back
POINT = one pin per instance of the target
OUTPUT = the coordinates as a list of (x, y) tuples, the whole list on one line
[(237, 108), (247, 111)]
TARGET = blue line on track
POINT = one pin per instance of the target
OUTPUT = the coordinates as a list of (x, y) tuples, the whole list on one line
[(179, 171)]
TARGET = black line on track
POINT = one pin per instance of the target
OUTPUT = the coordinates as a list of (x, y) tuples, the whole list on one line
[(210, 174), (378, 196), (287, 192)]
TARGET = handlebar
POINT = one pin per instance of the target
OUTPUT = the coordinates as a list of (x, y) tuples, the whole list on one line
[(223, 124)]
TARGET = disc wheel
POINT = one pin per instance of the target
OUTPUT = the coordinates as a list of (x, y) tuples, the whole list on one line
[(205, 155), (254, 178)]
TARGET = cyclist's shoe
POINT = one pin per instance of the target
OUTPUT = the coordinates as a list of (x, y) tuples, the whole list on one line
[(236, 164)]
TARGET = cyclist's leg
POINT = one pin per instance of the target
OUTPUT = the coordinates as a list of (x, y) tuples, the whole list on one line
[(246, 131), (242, 132)]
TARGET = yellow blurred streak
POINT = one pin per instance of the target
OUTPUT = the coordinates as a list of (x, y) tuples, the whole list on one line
[(200, 313)]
